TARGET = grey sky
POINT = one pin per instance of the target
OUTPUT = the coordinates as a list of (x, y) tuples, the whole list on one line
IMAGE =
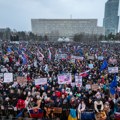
[(17, 14)]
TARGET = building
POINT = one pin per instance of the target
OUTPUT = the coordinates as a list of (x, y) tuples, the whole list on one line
[(111, 18), (65, 27)]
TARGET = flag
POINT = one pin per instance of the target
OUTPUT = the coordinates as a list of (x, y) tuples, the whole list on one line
[(113, 85), (24, 58), (40, 56), (104, 65), (9, 50), (84, 74), (36, 113), (72, 115), (49, 54)]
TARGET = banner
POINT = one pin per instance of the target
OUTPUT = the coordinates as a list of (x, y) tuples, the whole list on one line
[(113, 69), (90, 66), (90, 58), (72, 60), (41, 81), (112, 61), (100, 57), (88, 86), (8, 77), (21, 80), (78, 81), (62, 56), (64, 78), (77, 57), (95, 87)]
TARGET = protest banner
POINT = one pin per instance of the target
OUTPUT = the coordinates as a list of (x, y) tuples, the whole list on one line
[(90, 66), (62, 56), (41, 81), (112, 61), (72, 60), (8, 77), (112, 69), (90, 57), (21, 80), (95, 87), (77, 57), (88, 86), (73, 84), (78, 81), (68, 90), (64, 78), (100, 57)]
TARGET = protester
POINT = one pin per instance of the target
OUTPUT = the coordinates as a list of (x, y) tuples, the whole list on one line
[(48, 76)]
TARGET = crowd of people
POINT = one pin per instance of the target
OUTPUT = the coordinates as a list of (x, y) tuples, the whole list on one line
[(67, 101)]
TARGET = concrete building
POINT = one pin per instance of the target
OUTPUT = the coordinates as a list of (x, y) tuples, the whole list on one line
[(65, 27), (111, 18)]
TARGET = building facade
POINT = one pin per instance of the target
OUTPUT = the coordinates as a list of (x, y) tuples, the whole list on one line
[(111, 18), (65, 27)]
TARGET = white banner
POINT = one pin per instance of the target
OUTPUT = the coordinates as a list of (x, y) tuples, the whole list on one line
[(77, 57), (8, 77), (113, 69), (41, 81), (100, 57), (62, 56), (64, 78), (78, 81)]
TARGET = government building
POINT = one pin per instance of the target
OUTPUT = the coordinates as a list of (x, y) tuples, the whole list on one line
[(65, 27)]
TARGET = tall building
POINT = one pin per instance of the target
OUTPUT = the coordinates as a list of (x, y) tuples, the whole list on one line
[(65, 27), (111, 18)]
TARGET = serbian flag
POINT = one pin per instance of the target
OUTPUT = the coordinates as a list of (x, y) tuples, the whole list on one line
[(84, 74), (72, 115), (36, 113)]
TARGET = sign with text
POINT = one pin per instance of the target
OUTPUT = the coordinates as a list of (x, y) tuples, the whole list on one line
[(21, 80), (62, 56), (113, 69), (41, 81), (77, 57), (64, 78), (78, 81), (90, 66), (90, 57), (100, 57), (95, 87), (8, 77)]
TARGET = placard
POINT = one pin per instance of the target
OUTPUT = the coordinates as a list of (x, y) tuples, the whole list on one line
[(64, 78), (90, 66), (78, 81), (88, 86), (113, 69), (77, 57), (62, 56), (100, 57), (95, 87), (21, 80), (90, 57), (41, 81), (8, 77)]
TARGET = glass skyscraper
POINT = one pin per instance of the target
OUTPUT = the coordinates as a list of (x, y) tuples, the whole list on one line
[(111, 18)]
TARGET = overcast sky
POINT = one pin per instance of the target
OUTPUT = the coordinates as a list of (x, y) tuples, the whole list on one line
[(17, 14)]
